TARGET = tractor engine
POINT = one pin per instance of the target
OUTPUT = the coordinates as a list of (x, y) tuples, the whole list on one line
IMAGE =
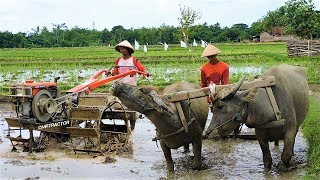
[(31, 100)]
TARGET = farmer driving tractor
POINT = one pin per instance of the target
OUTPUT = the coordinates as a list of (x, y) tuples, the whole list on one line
[(127, 62)]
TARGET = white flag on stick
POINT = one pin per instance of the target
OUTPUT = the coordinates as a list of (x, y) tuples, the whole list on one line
[(166, 46), (183, 44), (145, 48), (203, 44), (136, 45), (195, 44)]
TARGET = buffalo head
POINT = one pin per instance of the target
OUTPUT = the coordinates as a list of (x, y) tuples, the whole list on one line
[(137, 98), (229, 109)]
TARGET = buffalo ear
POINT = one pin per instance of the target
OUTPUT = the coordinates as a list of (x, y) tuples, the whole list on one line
[(249, 94)]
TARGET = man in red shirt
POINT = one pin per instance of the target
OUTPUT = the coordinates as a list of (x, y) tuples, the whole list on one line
[(213, 71), (127, 62)]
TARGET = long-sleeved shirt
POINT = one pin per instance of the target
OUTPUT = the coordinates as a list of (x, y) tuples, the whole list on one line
[(217, 73)]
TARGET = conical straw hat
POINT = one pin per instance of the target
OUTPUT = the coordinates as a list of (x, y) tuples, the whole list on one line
[(210, 50), (124, 43)]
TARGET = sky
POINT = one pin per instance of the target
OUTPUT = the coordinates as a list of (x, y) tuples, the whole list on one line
[(25, 15)]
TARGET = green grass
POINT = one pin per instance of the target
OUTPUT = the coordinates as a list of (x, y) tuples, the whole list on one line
[(311, 131)]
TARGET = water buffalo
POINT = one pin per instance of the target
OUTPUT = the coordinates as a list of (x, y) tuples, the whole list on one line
[(253, 107), (165, 116)]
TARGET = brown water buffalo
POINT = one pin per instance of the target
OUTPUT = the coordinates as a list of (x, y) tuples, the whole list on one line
[(170, 130), (254, 108)]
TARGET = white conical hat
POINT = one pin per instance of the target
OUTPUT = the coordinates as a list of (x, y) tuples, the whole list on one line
[(124, 43), (210, 50)]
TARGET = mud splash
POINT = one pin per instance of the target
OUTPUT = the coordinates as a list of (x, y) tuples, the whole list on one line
[(228, 159)]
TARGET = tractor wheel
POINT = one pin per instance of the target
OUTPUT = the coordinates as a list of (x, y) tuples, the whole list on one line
[(38, 110)]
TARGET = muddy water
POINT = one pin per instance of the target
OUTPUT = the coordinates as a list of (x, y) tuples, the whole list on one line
[(228, 159)]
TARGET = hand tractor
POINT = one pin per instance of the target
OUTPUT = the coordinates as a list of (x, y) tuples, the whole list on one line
[(89, 119)]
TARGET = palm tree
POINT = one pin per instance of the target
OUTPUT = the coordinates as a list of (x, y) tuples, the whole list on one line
[(57, 29)]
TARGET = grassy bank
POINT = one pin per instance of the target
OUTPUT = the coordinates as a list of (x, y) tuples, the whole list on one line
[(311, 131)]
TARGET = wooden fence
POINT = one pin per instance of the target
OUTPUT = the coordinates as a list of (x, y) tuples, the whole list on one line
[(303, 48)]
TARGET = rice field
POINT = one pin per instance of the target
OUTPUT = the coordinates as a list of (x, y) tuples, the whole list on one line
[(75, 65)]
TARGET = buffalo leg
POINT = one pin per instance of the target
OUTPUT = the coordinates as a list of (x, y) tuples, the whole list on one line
[(294, 138), (167, 154), (197, 145), (288, 147), (267, 159)]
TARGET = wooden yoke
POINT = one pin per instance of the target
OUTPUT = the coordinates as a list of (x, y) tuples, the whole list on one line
[(203, 92), (182, 117)]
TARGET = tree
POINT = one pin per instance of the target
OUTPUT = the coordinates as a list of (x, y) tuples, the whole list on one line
[(19, 40), (34, 38), (118, 33), (297, 17), (6, 40), (48, 37), (58, 30), (303, 20), (36, 31), (256, 28), (240, 26), (317, 30), (105, 36), (275, 18), (242, 31), (167, 34), (232, 34), (187, 19)]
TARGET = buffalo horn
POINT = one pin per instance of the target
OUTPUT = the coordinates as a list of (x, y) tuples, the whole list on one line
[(228, 93)]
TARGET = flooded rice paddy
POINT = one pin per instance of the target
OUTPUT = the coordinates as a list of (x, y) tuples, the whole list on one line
[(74, 77), (223, 159)]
